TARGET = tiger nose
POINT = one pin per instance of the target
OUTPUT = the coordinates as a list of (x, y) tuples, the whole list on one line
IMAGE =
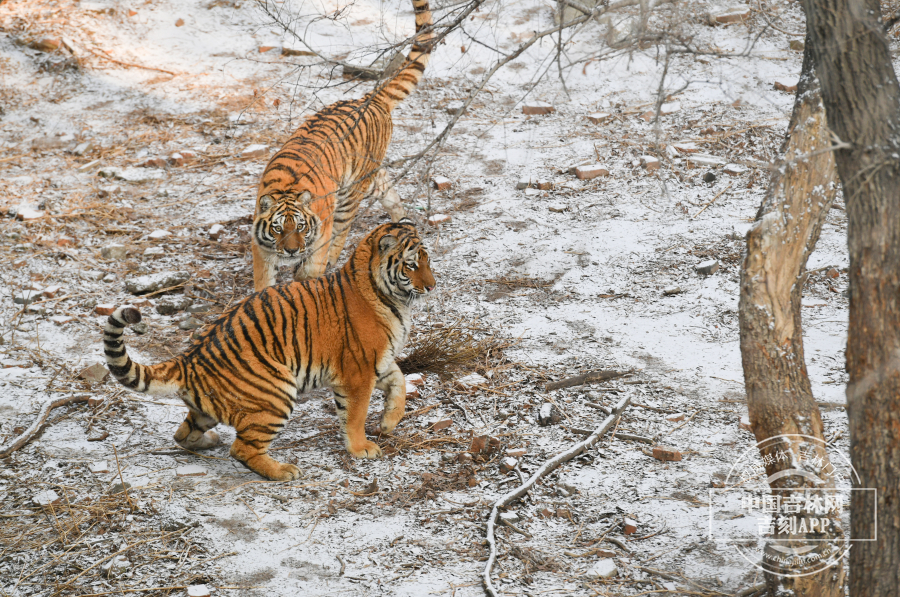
[(429, 288)]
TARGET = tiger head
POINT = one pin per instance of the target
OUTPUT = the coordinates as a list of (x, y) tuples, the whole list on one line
[(402, 266), (285, 225)]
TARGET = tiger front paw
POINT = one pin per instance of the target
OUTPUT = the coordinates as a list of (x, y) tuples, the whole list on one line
[(365, 449)]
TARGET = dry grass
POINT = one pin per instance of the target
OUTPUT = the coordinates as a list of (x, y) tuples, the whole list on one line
[(521, 282), (447, 350)]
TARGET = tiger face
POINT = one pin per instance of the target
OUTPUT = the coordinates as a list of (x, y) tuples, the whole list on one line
[(285, 227), (405, 264)]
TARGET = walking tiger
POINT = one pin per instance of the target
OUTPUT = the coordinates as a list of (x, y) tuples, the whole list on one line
[(312, 188), (343, 331)]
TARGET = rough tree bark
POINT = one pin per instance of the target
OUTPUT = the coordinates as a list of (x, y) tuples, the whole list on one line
[(862, 101), (779, 394)]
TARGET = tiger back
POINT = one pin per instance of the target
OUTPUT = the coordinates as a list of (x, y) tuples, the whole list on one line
[(342, 331), (312, 187)]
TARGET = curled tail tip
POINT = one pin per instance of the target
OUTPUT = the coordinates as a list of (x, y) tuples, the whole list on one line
[(123, 316)]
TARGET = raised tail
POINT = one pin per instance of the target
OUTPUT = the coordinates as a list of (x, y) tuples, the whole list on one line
[(157, 379), (402, 84)]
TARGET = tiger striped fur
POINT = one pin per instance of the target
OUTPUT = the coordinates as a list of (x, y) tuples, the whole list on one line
[(343, 331), (311, 189)]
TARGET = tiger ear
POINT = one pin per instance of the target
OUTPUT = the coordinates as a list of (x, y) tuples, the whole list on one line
[(306, 196), (265, 202), (406, 221), (386, 242)]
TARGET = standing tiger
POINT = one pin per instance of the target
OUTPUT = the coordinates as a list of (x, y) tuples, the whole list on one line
[(311, 189), (343, 331)]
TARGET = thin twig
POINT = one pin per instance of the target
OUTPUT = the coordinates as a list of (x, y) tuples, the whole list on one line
[(29, 433), (131, 64), (545, 468)]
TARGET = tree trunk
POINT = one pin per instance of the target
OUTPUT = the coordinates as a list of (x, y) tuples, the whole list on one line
[(779, 395), (862, 101)]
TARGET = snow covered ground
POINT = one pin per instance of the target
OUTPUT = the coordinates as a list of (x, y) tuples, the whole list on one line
[(585, 275)]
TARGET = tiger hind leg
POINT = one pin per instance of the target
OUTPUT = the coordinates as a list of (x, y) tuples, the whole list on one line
[(393, 384), (195, 432), (255, 431), (388, 196)]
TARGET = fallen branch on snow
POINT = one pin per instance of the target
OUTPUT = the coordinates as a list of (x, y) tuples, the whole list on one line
[(579, 380), (29, 433), (545, 468)]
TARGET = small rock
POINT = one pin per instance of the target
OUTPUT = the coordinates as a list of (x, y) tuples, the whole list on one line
[(93, 275), (154, 282), (598, 117), (151, 253), (731, 14), (96, 373), (48, 44), (26, 214), (199, 307), (516, 452), (479, 444), (686, 147), (140, 302), (589, 172), (415, 379), (104, 310), (118, 487), (255, 151), (707, 268), (140, 328), (676, 418), (110, 277), (176, 159), (174, 518), (454, 108), (158, 234), (411, 391), (198, 591), (441, 183), (531, 192), (744, 423), (179, 23), (629, 526), (190, 470), (115, 567), (557, 207), (605, 568), (464, 458), (568, 488), (472, 380), (649, 162), (114, 251), (564, 513), (441, 425), (511, 517), (700, 160), (672, 290), (508, 464), (51, 291), (542, 184), (669, 108), (173, 304), (548, 415), (99, 467), (153, 163), (734, 169), (26, 297), (534, 108), (61, 319), (45, 498), (438, 219), (216, 231), (66, 241), (797, 45), (96, 401), (523, 183), (709, 177), (106, 172), (190, 323), (833, 273), (786, 85), (717, 480), (666, 453)]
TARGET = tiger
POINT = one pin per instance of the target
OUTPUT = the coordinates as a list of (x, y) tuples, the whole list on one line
[(342, 331), (311, 189)]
